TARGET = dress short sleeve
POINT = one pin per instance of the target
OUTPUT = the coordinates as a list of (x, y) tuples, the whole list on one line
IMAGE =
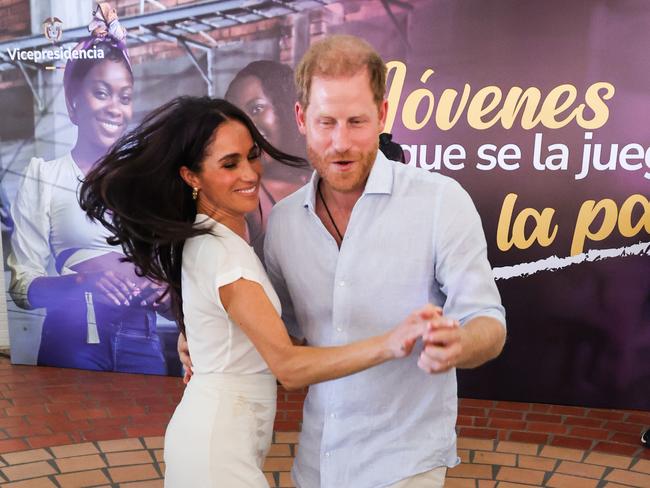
[(222, 259)]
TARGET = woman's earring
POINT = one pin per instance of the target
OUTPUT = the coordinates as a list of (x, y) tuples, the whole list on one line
[(195, 193)]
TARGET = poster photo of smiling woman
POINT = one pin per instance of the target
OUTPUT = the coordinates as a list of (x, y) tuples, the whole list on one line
[(98, 314)]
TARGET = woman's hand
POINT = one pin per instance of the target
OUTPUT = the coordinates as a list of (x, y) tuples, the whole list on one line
[(120, 286), (112, 280), (184, 355), (148, 294), (400, 340), (108, 287)]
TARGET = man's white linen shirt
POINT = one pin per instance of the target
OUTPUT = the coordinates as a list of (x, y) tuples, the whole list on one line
[(413, 238)]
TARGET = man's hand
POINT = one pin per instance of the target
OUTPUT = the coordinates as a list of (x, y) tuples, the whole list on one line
[(447, 345), (184, 354), (443, 345)]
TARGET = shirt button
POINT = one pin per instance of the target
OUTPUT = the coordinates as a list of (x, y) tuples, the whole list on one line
[(332, 415), (341, 283), (338, 329), (327, 454)]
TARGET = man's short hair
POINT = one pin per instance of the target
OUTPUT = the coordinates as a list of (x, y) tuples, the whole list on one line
[(340, 55)]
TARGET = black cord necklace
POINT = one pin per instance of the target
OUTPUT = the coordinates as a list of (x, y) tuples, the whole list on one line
[(329, 214)]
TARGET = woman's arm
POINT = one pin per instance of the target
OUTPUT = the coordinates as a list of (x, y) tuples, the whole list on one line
[(296, 366), (109, 287)]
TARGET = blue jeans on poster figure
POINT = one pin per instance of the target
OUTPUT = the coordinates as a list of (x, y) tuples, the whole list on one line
[(121, 339)]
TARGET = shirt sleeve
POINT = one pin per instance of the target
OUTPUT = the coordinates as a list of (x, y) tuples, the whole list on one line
[(462, 268), (272, 254), (221, 262), (30, 247)]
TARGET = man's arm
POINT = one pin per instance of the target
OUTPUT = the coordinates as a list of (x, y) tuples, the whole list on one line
[(484, 338), (465, 278)]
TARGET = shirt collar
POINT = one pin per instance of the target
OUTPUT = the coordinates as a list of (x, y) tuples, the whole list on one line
[(380, 180)]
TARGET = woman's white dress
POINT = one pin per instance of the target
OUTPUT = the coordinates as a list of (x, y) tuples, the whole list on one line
[(222, 428)]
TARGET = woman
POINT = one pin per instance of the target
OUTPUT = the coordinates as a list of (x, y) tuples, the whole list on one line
[(99, 314), (265, 91), (175, 193)]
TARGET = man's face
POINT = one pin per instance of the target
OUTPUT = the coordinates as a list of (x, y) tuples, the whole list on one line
[(342, 124)]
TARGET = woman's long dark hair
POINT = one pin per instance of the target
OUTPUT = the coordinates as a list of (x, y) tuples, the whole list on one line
[(137, 193)]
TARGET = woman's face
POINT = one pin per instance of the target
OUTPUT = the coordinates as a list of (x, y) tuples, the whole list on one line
[(230, 174), (103, 107), (248, 95)]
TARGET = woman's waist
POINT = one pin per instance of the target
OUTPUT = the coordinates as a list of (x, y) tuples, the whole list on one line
[(252, 385)]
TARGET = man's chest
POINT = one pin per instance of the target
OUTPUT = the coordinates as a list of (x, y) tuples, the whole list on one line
[(382, 271)]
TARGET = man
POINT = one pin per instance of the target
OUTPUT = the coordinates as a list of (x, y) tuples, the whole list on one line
[(364, 242)]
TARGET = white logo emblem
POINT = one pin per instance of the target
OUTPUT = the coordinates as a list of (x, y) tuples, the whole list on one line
[(53, 29)]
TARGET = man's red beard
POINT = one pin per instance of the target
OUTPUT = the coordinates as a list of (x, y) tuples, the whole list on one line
[(343, 182)]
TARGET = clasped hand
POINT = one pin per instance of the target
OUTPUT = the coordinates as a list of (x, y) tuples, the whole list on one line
[(442, 338), (115, 288)]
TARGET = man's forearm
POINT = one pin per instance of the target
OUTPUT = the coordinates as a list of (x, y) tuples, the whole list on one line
[(482, 340)]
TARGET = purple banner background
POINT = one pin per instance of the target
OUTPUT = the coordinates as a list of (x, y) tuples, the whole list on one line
[(578, 335)]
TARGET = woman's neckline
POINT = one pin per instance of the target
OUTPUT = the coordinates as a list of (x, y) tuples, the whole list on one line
[(214, 221)]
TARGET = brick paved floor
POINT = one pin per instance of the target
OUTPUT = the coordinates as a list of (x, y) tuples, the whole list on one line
[(137, 462), (69, 428)]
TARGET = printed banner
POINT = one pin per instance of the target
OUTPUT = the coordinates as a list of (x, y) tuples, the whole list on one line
[(539, 109)]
